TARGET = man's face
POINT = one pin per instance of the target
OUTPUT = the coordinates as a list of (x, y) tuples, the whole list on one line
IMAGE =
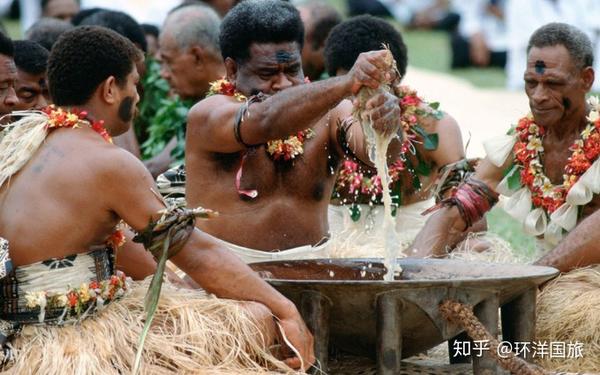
[(31, 90), (8, 78), (178, 67), (313, 63), (555, 86), (61, 9), (127, 106), (270, 69)]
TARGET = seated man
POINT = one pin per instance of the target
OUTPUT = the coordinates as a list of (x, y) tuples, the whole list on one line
[(63, 189), (31, 60), (434, 143), (265, 149), (548, 164)]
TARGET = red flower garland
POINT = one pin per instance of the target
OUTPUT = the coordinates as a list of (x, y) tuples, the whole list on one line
[(59, 118), (528, 151)]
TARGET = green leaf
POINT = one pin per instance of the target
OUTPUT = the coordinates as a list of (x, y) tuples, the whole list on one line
[(430, 141), (514, 178), (434, 105)]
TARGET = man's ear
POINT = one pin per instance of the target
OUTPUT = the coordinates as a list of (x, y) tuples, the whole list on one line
[(108, 90), (231, 68), (197, 53), (587, 77)]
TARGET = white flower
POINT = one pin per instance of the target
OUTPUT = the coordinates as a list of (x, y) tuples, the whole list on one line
[(61, 300), (594, 102), (35, 299), (585, 134), (535, 144)]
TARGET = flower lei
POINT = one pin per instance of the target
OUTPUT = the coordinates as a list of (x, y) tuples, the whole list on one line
[(368, 186), (59, 118), (528, 151), (79, 300), (280, 149)]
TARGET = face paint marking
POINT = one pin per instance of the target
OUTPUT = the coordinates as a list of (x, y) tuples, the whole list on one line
[(540, 67), (283, 57)]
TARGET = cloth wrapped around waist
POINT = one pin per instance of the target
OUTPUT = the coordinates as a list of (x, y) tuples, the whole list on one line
[(60, 289), (363, 238), (320, 250)]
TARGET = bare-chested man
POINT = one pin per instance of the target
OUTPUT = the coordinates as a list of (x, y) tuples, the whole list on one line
[(548, 164), (268, 165), (64, 194), (435, 143)]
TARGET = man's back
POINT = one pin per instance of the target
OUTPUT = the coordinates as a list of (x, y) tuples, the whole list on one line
[(60, 193)]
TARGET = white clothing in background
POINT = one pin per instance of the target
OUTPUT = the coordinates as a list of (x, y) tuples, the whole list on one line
[(474, 18), (523, 17)]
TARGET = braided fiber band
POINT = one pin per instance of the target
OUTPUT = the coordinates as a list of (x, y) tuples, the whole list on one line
[(473, 199), (175, 226)]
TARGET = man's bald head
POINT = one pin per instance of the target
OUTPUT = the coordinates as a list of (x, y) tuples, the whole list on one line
[(189, 50), (194, 25)]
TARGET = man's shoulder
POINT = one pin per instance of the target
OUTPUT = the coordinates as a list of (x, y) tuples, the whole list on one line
[(210, 103)]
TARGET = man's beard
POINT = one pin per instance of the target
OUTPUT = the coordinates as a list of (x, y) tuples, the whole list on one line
[(126, 111)]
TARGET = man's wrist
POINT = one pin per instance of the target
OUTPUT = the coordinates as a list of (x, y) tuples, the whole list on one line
[(285, 309)]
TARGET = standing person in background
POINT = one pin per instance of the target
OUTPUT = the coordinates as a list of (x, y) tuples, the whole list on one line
[(318, 18)]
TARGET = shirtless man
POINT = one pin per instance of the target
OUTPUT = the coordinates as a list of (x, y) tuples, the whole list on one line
[(530, 164), (84, 186), (420, 164), (275, 196)]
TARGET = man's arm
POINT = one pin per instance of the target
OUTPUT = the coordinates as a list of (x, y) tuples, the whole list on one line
[(445, 228), (578, 249), (211, 122), (348, 136), (129, 191)]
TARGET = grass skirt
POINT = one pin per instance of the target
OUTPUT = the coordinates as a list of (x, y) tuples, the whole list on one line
[(567, 311), (191, 334)]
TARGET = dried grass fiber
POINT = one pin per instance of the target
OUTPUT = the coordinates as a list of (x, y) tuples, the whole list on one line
[(567, 311), (191, 334)]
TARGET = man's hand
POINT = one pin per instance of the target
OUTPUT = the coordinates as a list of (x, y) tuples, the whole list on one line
[(370, 69), (298, 335), (383, 110)]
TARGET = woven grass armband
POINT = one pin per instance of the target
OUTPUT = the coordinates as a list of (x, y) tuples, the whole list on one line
[(171, 231)]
